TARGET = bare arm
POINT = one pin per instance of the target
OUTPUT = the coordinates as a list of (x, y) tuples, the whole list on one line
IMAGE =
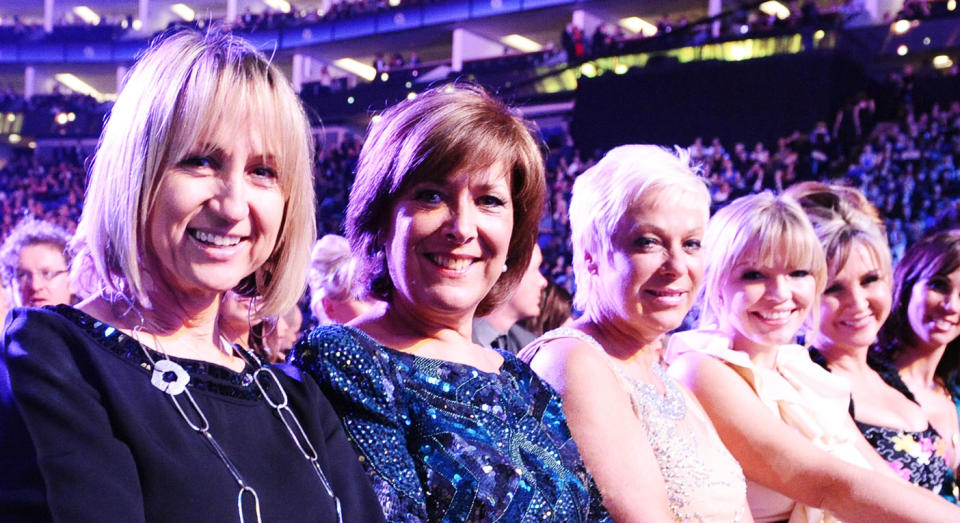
[(779, 457), (611, 440)]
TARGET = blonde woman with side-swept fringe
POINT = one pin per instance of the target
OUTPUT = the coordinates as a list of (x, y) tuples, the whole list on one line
[(137, 405)]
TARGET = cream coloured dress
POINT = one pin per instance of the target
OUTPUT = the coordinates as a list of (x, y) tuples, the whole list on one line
[(802, 394), (703, 481)]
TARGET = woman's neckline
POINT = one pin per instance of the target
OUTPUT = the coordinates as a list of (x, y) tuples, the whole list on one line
[(413, 355)]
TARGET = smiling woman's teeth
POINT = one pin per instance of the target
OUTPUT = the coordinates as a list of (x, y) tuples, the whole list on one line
[(454, 264), (774, 316), (215, 239)]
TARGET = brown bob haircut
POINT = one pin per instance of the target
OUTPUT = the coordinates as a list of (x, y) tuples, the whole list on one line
[(442, 131)]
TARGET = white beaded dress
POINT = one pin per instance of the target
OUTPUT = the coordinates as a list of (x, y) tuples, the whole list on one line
[(704, 482)]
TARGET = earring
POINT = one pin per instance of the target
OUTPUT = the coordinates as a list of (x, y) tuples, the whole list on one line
[(505, 268)]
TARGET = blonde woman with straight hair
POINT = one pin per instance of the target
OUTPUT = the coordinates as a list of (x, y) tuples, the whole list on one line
[(782, 416), (134, 406)]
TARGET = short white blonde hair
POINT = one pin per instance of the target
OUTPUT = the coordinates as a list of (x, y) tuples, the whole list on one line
[(603, 194), (184, 86)]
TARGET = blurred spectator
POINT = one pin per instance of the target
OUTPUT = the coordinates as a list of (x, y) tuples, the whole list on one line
[(500, 329), (335, 296), (35, 263), (556, 310)]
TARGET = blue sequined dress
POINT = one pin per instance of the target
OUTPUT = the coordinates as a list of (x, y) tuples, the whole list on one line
[(446, 441)]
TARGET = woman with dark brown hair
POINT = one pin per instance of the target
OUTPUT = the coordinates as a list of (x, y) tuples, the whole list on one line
[(920, 338)]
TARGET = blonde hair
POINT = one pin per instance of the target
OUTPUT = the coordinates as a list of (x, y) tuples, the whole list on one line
[(762, 229), (843, 218), (182, 88), (333, 274), (604, 193)]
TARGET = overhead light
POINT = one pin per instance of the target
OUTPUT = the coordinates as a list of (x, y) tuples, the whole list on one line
[(87, 15), (819, 34), (14, 138), (79, 86), (902, 50), (362, 70), (137, 24), (638, 26), (183, 11), (411, 96), (394, 3), (739, 52), (521, 43), (384, 76), (951, 5), (942, 61), (775, 8), (376, 118), (279, 5), (900, 26)]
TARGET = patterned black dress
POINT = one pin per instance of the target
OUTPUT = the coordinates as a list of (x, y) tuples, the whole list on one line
[(918, 457)]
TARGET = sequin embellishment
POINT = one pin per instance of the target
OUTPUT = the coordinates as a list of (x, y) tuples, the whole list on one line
[(444, 441), (694, 485)]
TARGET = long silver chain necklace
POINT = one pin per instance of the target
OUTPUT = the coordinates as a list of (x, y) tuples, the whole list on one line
[(172, 379)]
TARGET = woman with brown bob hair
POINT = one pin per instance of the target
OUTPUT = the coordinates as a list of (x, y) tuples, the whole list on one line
[(443, 216)]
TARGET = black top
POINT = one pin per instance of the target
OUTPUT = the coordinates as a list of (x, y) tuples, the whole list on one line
[(84, 436)]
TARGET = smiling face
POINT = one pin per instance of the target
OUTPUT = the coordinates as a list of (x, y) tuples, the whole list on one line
[(649, 279), (765, 303), (855, 303), (447, 242), (216, 213), (934, 309)]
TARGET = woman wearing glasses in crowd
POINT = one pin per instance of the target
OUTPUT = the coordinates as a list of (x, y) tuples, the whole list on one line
[(35, 261), (133, 406), (443, 216)]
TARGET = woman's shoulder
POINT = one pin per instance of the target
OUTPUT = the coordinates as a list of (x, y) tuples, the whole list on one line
[(36, 329), (569, 360), (333, 345), (559, 345), (706, 342)]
